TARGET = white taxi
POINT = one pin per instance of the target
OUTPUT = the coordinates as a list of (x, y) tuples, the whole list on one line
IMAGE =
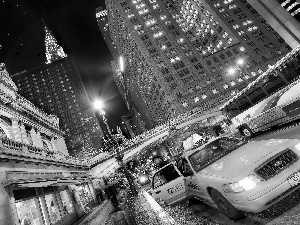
[(236, 175)]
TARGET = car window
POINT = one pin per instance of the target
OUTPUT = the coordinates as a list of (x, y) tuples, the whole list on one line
[(186, 168), (214, 151), (165, 175)]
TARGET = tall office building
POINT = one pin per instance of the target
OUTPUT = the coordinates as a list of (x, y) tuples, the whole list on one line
[(102, 19), (57, 89), (178, 53), (134, 104), (283, 16)]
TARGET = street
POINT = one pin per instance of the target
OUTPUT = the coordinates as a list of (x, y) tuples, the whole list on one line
[(286, 211)]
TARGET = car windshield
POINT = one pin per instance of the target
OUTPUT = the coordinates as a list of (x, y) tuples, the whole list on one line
[(214, 151)]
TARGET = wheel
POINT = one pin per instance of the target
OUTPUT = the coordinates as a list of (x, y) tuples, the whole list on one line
[(246, 131), (225, 206)]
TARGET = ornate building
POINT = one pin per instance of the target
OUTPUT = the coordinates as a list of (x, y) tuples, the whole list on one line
[(188, 54), (40, 183), (57, 88)]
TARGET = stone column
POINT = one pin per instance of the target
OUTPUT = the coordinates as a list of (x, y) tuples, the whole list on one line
[(59, 202), (92, 191), (16, 130), (24, 134), (33, 137), (36, 138), (53, 144), (60, 145), (39, 140), (45, 210)]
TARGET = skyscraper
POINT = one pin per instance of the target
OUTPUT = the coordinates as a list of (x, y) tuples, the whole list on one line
[(57, 89), (134, 104), (283, 16), (189, 54)]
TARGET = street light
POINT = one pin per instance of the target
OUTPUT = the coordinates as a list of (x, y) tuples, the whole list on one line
[(98, 104), (231, 71), (239, 66), (240, 62), (119, 156)]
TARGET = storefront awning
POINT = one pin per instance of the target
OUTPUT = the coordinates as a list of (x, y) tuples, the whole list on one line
[(33, 179)]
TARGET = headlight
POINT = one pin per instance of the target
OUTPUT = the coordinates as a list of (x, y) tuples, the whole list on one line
[(297, 146), (245, 184), (143, 179)]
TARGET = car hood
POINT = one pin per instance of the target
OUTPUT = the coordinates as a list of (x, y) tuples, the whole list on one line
[(246, 157)]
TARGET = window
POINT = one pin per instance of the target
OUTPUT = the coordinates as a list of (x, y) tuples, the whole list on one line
[(228, 54), (215, 59), (214, 151), (164, 70), (152, 50), (194, 59), (184, 167), (178, 65), (171, 27), (198, 66)]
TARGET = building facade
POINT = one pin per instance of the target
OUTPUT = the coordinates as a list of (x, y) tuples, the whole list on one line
[(133, 102), (57, 88), (283, 16), (39, 182), (189, 54)]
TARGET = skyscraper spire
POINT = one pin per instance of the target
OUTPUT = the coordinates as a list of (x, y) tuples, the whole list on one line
[(53, 50)]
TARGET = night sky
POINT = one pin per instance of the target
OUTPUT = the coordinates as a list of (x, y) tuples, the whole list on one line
[(74, 25)]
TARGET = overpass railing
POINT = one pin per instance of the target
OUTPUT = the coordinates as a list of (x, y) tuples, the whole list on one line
[(139, 139)]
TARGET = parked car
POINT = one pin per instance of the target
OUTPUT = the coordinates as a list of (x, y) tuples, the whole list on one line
[(236, 175), (279, 108)]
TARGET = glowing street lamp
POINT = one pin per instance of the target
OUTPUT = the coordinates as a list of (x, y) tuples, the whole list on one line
[(98, 104), (240, 62), (239, 66), (231, 71)]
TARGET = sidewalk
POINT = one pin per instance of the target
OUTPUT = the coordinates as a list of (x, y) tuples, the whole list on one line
[(99, 216), (147, 211)]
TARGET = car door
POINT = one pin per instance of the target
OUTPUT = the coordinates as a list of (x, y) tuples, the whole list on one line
[(193, 185), (168, 184)]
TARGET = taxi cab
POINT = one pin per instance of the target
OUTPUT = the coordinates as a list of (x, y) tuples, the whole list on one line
[(236, 175)]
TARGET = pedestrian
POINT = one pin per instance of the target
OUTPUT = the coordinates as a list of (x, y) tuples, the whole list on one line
[(111, 192)]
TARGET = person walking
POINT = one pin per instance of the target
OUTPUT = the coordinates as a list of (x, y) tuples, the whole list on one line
[(112, 193)]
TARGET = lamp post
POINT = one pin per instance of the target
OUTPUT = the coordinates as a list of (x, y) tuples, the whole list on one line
[(99, 105), (119, 156)]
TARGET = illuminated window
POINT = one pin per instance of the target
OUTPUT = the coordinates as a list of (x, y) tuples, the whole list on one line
[(185, 104), (214, 91)]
